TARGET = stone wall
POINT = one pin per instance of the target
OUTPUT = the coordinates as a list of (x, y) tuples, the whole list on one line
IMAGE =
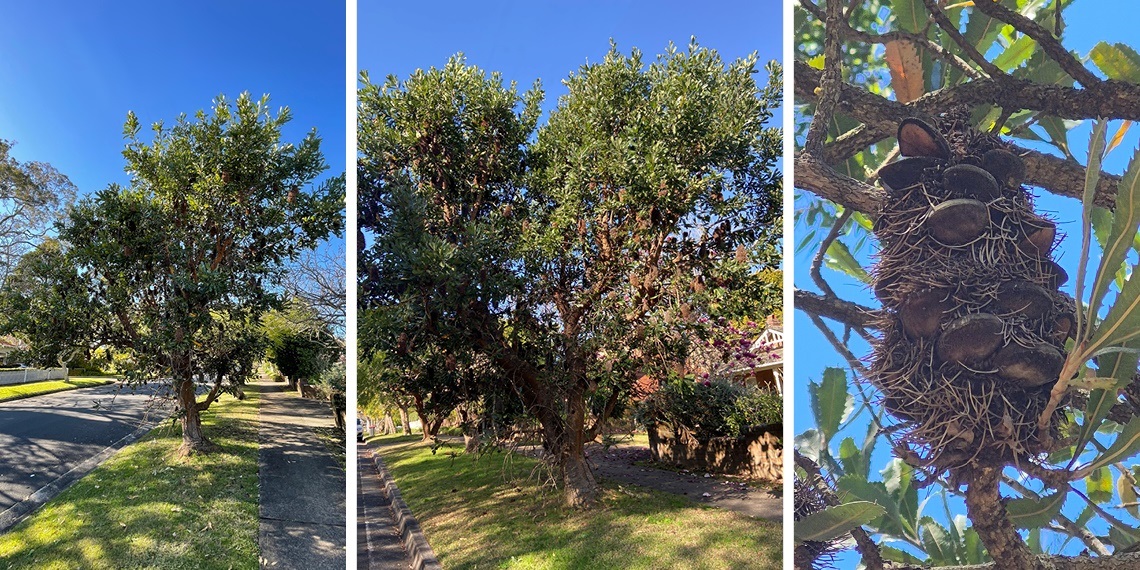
[(758, 453)]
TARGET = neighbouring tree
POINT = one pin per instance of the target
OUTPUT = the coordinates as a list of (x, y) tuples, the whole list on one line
[(47, 301), (300, 343), (578, 263), (33, 197), (1026, 459), (318, 279), (217, 206)]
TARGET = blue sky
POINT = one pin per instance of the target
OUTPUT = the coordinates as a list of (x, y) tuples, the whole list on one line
[(548, 40), (1087, 23), (70, 74)]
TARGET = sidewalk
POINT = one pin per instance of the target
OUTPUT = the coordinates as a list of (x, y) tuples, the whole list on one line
[(378, 541), (302, 485)]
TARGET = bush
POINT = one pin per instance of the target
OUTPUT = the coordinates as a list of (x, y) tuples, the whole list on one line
[(755, 407), (709, 409)]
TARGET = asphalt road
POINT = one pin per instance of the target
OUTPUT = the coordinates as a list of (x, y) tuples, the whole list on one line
[(45, 438)]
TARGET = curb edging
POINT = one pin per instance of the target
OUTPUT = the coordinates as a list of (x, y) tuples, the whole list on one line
[(415, 543)]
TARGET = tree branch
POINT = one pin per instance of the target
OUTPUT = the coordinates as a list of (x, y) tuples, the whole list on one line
[(846, 312)]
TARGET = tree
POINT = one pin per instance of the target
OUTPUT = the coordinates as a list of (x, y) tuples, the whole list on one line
[(33, 196), (575, 264), (300, 343), (216, 207), (48, 301), (963, 81)]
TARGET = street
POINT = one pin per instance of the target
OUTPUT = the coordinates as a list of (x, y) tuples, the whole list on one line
[(46, 438)]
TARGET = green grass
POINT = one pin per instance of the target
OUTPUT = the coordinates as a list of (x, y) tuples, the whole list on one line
[(17, 391), (146, 508), (490, 513)]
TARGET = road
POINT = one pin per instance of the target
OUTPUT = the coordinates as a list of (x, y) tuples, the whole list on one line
[(52, 438)]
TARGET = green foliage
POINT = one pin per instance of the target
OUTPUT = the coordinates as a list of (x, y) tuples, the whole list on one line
[(33, 197), (711, 409), (834, 522), (568, 261), (176, 266)]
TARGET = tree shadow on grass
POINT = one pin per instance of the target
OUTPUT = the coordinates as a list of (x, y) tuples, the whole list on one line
[(146, 508), (478, 513)]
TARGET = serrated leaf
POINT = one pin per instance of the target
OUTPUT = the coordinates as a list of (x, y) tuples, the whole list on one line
[(855, 487), (1118, 137), (831, 402), (1033, 513), (937, 543), (1016, 54), (1126, 444), (840, 259), (1116, 61), (1092, 175), (893, 554), (1098, 485), (905, 66), (982, 30), (1122, 321), (1099, 404), (836, 521)]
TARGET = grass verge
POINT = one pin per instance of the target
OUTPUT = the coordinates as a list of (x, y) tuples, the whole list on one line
[(490, 513), (146, 508), (17, 391)]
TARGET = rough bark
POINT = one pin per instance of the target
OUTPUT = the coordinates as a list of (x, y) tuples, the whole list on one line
[(991, 521), (193, 439)]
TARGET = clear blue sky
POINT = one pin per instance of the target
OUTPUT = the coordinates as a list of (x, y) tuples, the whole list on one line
[(548, 40), (69, 73), (1088, 23)]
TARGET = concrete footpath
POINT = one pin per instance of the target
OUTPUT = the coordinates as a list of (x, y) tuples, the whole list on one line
[(302, 512), (379, 545)]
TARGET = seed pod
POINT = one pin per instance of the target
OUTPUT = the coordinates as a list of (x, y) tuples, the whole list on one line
[(971, 339), (916, 138), (1039, 237), (921, 313), (1029, 367), (970, 181), (1023, 298), (1006, 167), (906, 173), (957, 222)]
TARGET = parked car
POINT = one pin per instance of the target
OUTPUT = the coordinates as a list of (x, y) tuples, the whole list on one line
[(359, 430)]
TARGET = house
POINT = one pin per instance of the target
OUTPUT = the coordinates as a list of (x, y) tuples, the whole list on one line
[(768, 373)]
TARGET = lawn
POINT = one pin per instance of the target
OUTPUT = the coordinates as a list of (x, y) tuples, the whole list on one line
[(145, 508), (17, 391), (490, 512)]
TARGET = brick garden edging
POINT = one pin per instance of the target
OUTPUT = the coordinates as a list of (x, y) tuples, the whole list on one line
[(415, 543)]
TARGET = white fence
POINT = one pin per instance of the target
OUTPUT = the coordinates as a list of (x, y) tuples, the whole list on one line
[(8, 377)]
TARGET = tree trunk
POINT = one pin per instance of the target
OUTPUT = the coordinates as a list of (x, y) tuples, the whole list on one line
[(581, 487), (469, 422), (193, 440), (405, 424), (991, 521), (388, 427)]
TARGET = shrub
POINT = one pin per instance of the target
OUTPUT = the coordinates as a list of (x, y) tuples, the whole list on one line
[(711, 408)]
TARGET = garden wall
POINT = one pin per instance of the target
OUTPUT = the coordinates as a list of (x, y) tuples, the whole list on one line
[(758, 453)]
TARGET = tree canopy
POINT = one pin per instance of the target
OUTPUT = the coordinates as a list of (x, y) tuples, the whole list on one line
[(179, 265), (575, 256)]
